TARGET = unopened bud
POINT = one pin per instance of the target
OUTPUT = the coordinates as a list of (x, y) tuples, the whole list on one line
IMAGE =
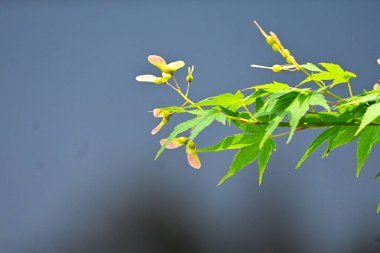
[(270, 40), (277, 68), (275, 48), (290, 59), (286, 53), (189, 78)]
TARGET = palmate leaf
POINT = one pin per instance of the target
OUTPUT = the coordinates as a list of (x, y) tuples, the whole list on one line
[(221, 118), (231, 142), (250, 128), (368, 138), (278, 107), (244, 157), (198, 124), (318, 99), (293, 104), (370, 115), (362, 98), (273, 109), (332, 72), (295, 107), (336, 137), (207, 119), (344, 135), (247, 154), (270, 87), (341, 76), (318, 142), (254, 97), (269, 147), (321, 117), (273, 124), (259, 104), (225, 100), (351, 113), (297, 110), (276, 102), (311, 67), (236, 141), (248, 100), (332, 68)]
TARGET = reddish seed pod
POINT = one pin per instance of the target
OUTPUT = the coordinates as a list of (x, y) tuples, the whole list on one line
[(192, 156)]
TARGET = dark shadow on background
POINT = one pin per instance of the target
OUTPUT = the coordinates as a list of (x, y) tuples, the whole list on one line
[(155, 217)]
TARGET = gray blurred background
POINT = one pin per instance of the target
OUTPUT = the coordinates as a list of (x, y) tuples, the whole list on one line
[(76, 154)]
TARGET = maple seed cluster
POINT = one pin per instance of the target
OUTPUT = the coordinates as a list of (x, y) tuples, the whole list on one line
[(168, 71), (191, 150), (165, 115)]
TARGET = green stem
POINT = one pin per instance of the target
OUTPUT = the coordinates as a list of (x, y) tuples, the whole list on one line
[(286, 133), (333, 95), (246, 109), (301, 125), (183, 95), (321, 85), (350, 89), (188, 100), (187, 89), (176, 84)]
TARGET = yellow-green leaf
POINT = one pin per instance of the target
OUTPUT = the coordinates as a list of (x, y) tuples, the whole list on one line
[(317, 143), (367, 140), (264, 157), (244, 157), (370, 115)]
